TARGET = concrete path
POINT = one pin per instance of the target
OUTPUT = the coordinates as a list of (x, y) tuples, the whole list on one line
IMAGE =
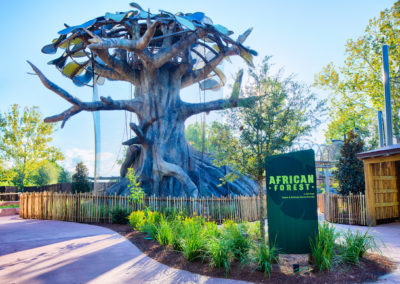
[(37, 251)]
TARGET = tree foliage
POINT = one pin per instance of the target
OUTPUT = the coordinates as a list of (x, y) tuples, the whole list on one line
[(356, 88), (80, 179), (284, 112), (350, 170), (136, 191), (212, 136), (24, 144)]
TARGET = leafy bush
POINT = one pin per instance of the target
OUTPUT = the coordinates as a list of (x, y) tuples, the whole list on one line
[(119, 216), (264, 256), (219, 253), (210, 230), (192, 241), (356, 245), (254, 230), (164, 233), (151, 222), (136, 219), (237, 236), (322, 251)]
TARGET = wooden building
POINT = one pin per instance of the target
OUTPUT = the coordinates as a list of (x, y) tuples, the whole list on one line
[(382, 171)]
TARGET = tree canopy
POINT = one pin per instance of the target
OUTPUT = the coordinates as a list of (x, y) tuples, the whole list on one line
[(284, 112), (123, 45), (25, 144), (356, 87)]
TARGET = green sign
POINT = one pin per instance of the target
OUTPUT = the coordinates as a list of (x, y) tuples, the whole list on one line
[(292, 201)]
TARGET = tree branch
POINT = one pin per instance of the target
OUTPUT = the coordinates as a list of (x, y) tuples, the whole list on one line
[(165, 54), (121, 67), (195, 76), (173, 170), (135, 45), (189, 109), (105, 103)]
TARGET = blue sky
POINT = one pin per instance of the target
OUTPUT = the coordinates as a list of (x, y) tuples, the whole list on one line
[(302, 36)]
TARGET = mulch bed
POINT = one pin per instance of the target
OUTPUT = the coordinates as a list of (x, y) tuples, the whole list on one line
[(369, 269)]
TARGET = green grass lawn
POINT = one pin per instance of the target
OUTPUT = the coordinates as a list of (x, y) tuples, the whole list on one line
[(8, 206)]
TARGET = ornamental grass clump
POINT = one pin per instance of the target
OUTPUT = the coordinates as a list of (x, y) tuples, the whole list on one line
[(264, 256), (219, 253), (136, 219), (355, 245), (164, 233), (323, 249), (238, 239), (193, 241)]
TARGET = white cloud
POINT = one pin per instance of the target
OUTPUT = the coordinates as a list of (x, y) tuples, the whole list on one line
[(108, 165)]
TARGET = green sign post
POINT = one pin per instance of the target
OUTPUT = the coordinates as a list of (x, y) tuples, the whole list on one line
[(292, 201)]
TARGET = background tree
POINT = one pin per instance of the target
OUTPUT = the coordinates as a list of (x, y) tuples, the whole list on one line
[(159, 54), (285, 112), (63, 175), (80, 179), (350, 170), (212, 136), (46, 174), (24, 144), (356, 88)]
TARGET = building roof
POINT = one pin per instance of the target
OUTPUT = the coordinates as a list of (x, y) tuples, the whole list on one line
[(385, 151)]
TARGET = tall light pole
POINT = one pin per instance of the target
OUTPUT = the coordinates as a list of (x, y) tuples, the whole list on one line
[(388, 103)]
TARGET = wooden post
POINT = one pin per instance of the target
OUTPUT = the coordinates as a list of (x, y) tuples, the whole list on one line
[(370, 194)]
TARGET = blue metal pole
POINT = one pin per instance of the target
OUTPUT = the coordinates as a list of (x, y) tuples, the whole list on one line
[(380, 129), (388, 103)]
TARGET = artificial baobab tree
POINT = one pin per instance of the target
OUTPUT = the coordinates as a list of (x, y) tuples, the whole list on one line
[(159, 54)]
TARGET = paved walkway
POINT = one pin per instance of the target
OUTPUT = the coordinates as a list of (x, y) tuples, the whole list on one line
[(33, 251), (37, 251)]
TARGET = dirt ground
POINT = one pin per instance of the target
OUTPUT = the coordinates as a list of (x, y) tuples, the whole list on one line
[(369, 269)]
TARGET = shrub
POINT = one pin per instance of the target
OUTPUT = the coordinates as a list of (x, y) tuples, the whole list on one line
[(192, 241), (119, 216), (322, 251), (264, 256), (164, 233), (151, 222), (356, 245), (210, 230), (219, 253), (350, 172), (136, 219), (254, 231), (237, 235)]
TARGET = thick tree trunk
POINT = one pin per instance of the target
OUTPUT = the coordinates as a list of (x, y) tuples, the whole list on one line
[(162, 159)]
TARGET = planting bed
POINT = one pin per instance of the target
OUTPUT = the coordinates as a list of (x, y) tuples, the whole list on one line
[(369, 269)]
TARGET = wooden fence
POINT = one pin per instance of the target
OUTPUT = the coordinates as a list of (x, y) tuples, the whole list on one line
[(9, 196), (350, 209), (90, 208)]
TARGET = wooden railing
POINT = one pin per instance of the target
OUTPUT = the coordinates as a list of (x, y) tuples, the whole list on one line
[(345, 209), (90, 208)]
